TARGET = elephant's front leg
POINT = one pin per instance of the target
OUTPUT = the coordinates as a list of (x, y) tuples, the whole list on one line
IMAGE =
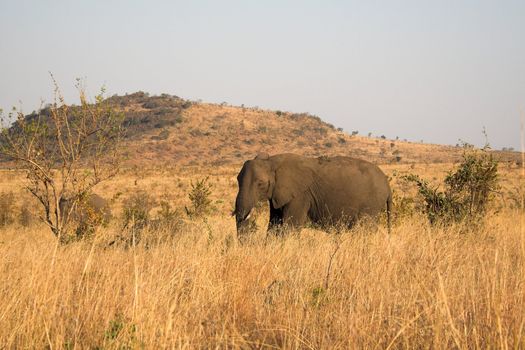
[(276, 218), (295, 213)]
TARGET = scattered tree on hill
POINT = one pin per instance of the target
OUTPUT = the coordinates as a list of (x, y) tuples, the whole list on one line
[(65, 151)]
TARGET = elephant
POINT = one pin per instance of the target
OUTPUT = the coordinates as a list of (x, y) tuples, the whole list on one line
[(87, 210), (324, 190)]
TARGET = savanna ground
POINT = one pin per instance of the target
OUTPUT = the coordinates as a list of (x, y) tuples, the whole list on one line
[(192, 285)]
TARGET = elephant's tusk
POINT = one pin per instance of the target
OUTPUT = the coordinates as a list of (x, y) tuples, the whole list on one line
[(249, 214)]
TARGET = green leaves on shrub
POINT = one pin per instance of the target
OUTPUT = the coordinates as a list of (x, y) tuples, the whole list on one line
[(137, 208), (199, 196), (467, 190)]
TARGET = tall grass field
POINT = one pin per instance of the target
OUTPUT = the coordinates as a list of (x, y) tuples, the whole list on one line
[(193, 285)]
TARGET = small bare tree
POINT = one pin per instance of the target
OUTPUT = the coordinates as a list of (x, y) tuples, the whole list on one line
[(65, 151)]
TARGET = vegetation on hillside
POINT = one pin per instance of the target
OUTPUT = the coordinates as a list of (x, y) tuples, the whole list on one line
[(167, 129)]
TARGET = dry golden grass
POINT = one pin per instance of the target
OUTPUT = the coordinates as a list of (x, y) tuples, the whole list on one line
[(196, 287), (417, 288)]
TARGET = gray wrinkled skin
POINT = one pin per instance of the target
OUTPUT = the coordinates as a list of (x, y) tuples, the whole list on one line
[(323, 190)]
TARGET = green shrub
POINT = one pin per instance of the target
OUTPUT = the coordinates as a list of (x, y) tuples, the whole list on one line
[(121, 334), (163, 135), (262, 129), (516, 196), (136, 209), (404, 206), (200, 198), (467, 190), (167, 217), (84, 218), (322, 131)]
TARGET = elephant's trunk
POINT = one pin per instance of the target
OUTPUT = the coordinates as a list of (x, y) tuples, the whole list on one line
[(243, 211)]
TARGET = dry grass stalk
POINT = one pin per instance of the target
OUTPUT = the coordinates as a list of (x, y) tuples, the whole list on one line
[(417, 288)]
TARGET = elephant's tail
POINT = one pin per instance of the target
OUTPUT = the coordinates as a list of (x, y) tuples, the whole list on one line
[(389, 212)]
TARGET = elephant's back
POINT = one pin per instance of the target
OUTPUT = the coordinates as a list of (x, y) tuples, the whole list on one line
[(353, 167), (353, 186)]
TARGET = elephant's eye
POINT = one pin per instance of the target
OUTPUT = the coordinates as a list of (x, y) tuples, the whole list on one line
[(261, 183)]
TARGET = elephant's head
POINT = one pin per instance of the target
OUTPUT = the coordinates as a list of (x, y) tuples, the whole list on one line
[(278, 179), (256, 182)]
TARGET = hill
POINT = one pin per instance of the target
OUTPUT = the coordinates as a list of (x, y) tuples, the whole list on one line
[(169, 130)]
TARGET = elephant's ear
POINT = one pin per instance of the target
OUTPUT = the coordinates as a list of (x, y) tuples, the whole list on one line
[(291, 181)]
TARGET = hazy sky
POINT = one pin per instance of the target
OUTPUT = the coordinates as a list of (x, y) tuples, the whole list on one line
[(436, 71)]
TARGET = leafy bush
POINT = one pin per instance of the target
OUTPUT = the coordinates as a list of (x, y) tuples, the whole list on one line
[(152, 104), (322, 131), (64, 149), (163, 135), (85, 217), (121, 332), (403, 206), (167, 216), (516, 197), (468, 189), (137, 208), (200, 198)]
